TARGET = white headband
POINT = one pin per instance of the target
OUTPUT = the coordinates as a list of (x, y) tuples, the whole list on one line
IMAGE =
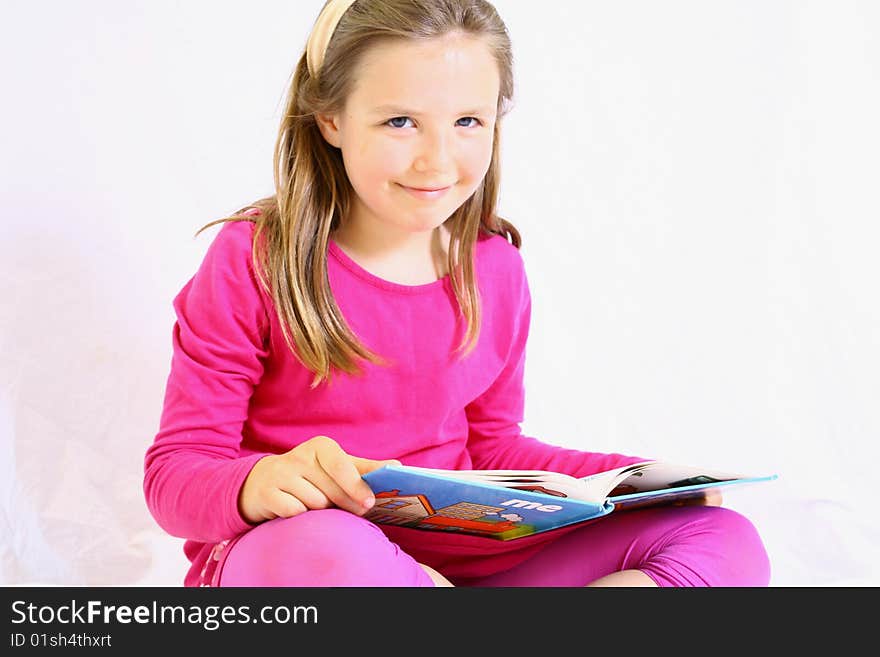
[(322, 31)]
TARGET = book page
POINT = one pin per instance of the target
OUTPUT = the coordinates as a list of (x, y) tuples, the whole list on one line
[(660, 476), (635, 479), (602, 483), (594, 488), (482, 474), (539, 481)]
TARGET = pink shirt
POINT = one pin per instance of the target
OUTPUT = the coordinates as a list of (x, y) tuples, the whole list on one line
[(235, 393)]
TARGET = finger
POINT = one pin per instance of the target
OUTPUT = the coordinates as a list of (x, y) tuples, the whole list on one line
[(311, 496), (704, 498), (284, 505), (340, 468), (337, 495), (368, 465)]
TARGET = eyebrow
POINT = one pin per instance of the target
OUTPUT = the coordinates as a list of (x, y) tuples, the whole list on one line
[(396, 109)]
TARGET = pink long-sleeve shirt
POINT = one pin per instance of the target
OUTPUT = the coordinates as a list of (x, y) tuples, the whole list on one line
[(235, 394)]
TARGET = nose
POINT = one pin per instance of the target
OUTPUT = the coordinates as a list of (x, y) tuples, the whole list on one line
[(434, 152)]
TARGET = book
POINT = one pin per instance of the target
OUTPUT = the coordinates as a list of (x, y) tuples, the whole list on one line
[(510, 504)]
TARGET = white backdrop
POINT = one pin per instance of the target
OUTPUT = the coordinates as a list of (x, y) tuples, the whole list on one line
[(695, 183)]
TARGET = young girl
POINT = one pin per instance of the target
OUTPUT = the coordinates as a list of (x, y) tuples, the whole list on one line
[(376, 310)]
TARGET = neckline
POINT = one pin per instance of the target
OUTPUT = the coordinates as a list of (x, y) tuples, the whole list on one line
[(343, 258)]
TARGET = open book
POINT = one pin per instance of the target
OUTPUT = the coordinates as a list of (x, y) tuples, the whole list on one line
[(508, 504)]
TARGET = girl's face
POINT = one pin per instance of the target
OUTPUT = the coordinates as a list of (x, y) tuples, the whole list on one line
[(420, 117)]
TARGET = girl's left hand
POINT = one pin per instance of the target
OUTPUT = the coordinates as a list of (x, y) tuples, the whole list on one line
[(710, 497)]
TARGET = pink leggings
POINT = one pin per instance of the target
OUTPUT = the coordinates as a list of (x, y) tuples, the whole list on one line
[(675, 546)]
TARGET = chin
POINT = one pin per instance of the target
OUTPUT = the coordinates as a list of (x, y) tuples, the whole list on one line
[(424, 224), (425, 228)]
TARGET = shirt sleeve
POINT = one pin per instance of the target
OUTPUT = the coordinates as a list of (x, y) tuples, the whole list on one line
[(495, 440), (192, 471)]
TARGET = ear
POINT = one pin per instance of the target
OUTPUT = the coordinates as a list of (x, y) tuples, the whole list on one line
[(328, 124)]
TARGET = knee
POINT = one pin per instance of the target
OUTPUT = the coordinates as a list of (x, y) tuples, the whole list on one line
[(334, 547), (744, 561), (327, 547)]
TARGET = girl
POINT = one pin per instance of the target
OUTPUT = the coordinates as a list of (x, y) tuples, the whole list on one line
[(375, 309)]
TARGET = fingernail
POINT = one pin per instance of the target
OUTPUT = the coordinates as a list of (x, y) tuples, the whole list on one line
[(369, 502)]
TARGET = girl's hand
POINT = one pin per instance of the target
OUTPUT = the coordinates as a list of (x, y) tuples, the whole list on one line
[(710, 497), (316, 474)]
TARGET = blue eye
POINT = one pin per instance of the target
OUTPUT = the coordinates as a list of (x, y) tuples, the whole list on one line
[(391, 122), (397, 118)]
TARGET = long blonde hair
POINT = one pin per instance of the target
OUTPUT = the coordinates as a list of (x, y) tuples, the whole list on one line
[(313, 194)]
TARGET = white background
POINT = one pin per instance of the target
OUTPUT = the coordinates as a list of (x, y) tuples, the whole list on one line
[(695, 183)]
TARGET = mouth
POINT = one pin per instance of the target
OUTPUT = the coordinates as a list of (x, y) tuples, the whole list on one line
[(427, 193)]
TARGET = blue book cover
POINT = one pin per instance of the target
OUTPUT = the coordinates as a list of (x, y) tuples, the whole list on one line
[(425, 500), (505, 505)]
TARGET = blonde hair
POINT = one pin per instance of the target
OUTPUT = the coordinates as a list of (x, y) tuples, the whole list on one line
[(312, 191)]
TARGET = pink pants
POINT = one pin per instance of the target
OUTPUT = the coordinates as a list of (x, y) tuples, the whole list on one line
[(675, 546)]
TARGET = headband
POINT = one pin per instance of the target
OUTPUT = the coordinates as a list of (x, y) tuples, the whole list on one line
[(322, 31)]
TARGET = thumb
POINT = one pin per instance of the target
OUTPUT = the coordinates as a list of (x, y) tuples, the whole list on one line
[(368, 465)]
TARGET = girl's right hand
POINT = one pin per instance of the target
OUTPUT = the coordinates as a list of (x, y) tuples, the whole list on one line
[(316, 474)]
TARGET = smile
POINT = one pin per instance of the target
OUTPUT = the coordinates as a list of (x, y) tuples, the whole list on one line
[(426, 194)]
